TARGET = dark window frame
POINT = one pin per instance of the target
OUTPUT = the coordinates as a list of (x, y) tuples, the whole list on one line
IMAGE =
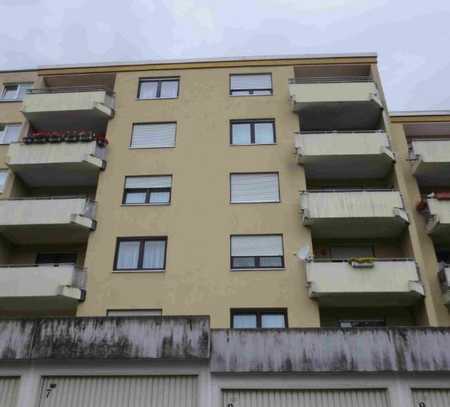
[(142, 240), (159, 81), (250, 91), (252, 123), (255, 202), (147, 191), (259, 312), (283, 264)]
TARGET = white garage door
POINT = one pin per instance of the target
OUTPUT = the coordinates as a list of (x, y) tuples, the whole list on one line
[(9, 387), (305, 398), (129, 391), (431, 397)]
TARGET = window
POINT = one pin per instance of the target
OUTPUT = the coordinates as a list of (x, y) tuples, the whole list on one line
[(134, 312), (3, 178), (153, 135), (251, 84), (158, 88), (256, 252), (15, 91), (9, 133), (56, 258), (151, 190), (253, 319), (360, 323), (246, 132), (146, 253), (254, 188)]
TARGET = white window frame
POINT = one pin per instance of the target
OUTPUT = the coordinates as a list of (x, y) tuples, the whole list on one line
[(3, 185), (5, 129), (19, 86), (236, 200)]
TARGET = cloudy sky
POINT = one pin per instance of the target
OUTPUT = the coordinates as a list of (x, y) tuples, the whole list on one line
[(411, 37)]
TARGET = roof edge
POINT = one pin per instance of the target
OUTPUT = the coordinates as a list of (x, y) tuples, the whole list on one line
[(197, 60)]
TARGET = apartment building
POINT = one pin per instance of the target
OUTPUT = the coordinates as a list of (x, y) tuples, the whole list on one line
[(231, 231)]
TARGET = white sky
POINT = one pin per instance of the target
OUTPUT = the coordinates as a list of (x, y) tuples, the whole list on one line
[(412, 38)]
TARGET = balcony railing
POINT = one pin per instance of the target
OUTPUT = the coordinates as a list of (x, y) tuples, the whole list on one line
[(47, 220), (436, 209), (329, 79), (42, 285), (56, 108), (431, 161), (336, 154), (70, 89), (364, 282), (350, 213)]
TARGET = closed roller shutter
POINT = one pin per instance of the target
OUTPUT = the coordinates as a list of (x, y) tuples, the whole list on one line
[(9, 387), (164, 181), (431, 397), (130, 391), (254, 188), (157, 135), (253, 81), (305, 398)]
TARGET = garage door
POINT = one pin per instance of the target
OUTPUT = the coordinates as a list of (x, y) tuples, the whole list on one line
[(431, 397), (9, 387), (305, 398), (134, 391)]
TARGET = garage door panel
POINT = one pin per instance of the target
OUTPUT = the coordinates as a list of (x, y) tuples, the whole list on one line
[(9, 388), (431, 397), (125, 391), (305, 398)]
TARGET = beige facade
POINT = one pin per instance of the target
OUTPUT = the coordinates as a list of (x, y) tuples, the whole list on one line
[(199, 221)]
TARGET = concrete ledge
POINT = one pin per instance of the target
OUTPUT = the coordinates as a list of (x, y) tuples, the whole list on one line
[(331, 350), (175, 338)]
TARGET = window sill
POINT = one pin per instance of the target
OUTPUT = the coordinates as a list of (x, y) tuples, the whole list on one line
[(255, 202), (253, 145), (143, 99), (139, 271), (11, 100), (244, 96), (260, 269), (151, 148), (145, 204)]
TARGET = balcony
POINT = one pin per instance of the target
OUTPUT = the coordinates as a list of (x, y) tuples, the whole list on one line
[(47, 220), (431, 161), (438, 216), (334, 214), (37, 288), (58, 160), (444, 280), (68, 107), (335, 155), (334, 104), (364, 282)]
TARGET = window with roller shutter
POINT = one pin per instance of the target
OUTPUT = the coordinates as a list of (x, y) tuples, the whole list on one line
[(153, 135), (254, 188), (251, 84)]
